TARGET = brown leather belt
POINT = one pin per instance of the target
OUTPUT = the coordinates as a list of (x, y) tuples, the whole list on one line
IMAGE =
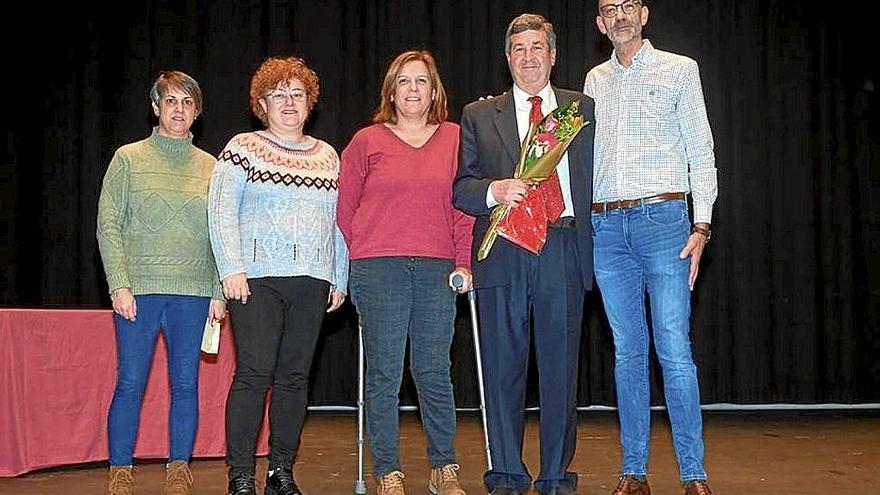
[(629, 203)]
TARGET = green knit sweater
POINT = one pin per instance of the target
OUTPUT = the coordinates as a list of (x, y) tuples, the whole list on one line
[(153, 221)]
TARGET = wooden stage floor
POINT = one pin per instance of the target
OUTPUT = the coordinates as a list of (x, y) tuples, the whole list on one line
[(748, 453)]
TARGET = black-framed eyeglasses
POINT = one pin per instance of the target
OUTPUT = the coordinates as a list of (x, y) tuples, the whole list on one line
[(611, 9)]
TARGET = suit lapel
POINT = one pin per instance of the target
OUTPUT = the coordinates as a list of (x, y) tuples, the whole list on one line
[(574, 152), (577, 166), (505, 124)]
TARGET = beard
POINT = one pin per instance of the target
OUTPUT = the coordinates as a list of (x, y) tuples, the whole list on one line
[(620, 36)]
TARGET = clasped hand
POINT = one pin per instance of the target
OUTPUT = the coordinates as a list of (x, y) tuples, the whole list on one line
[(509, 191)]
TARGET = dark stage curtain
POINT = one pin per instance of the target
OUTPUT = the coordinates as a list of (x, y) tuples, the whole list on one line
[(787, 305)]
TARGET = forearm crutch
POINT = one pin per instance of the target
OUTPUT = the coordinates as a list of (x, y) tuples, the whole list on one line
[(360, 487), (472, 299)]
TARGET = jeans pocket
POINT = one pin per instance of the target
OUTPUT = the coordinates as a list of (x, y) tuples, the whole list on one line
[(596, 222), (667, 213)]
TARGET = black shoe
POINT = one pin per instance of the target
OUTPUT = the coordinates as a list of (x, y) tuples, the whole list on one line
[(242, 484), (279, 481), (502, 490)]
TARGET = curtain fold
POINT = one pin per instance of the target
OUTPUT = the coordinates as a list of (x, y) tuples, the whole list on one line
[(787, 307)]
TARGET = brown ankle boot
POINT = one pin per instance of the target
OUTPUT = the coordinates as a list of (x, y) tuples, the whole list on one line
[(390, 484), (121, 480), (697, 487), (178, 479), (630, 485), (444, 481)]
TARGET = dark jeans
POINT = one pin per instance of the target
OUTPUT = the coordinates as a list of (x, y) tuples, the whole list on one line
[(275, 337), (398, 297), (182, 319)]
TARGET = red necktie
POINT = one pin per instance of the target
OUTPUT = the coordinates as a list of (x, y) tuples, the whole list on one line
[(535, 115), (550, 189)]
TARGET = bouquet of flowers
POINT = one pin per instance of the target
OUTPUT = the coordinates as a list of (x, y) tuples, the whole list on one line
[(543, 147)]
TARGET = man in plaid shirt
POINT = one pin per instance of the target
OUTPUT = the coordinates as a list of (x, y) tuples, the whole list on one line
[(653, 146)]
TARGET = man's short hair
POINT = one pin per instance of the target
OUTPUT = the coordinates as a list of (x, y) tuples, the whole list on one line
[(526, 22)]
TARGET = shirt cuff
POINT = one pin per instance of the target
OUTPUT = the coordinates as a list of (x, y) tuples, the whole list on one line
[(490, 200), (702, 213)]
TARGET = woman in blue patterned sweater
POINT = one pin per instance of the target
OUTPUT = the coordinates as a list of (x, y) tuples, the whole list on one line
[(283, 263)]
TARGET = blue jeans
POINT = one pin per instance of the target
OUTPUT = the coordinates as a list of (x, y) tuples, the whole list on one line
[(398, 297), (636, 249), (183, 320)]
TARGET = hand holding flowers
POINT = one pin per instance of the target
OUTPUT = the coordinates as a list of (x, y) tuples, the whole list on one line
[(542, 149)]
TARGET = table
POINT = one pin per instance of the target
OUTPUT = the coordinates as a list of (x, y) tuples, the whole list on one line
[(57, 375)]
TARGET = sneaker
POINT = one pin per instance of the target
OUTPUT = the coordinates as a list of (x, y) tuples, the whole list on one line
[(390, 484), (279, 481), (444, 481), (242, 484), (178, 479), (121, 480)]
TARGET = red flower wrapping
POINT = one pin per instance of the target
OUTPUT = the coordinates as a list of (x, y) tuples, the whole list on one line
[(553, 201), (526, 225)]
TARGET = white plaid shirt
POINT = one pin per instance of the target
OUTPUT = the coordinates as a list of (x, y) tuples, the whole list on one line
[(652, 133)]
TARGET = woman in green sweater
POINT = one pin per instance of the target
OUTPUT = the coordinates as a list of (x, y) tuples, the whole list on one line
[(153, 237)]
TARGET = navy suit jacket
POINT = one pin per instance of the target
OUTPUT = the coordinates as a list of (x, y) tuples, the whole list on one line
[(488, 150)]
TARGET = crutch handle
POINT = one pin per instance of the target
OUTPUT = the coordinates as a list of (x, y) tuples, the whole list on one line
[(457, 281)]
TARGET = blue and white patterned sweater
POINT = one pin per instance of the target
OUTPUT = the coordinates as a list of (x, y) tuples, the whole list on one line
[(272, 210)]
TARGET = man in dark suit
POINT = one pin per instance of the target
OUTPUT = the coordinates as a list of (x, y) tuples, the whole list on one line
[(512, 283)]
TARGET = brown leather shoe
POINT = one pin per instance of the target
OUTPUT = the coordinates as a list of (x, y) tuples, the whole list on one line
[(121, 480), (697, 487), (390, 484), (178, 479), (444, 481), (629, 485)]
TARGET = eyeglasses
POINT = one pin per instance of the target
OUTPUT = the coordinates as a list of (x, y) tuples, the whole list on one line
[(611, 9), (279, 97)]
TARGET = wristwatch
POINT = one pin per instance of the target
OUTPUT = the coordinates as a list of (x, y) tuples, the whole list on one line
[(703, 231)]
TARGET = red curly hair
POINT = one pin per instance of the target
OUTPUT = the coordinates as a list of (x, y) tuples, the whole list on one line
[(275, 70)]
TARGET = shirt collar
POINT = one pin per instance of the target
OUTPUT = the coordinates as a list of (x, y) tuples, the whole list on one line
[(643, 57), (521, 98)]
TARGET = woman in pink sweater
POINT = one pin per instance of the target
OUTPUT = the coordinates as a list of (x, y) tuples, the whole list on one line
[(406, 244)]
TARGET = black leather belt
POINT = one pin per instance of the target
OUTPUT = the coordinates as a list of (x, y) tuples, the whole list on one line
[(563, 223)]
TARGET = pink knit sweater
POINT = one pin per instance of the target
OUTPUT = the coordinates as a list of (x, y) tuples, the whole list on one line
[(396, 200)]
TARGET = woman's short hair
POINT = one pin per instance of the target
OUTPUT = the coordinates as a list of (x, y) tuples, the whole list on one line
[(174, 79), (275, 70), (386, 113)]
